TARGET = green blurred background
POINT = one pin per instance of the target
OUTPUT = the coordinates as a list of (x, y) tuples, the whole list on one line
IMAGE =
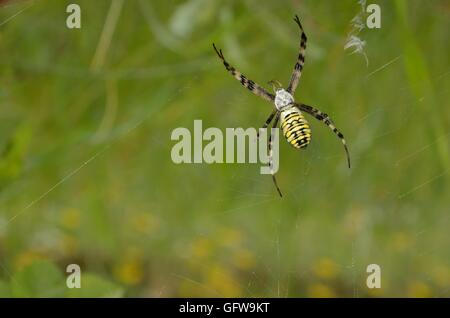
[(86, 175)]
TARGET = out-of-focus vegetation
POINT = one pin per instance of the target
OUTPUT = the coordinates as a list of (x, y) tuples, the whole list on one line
[(86, 175)]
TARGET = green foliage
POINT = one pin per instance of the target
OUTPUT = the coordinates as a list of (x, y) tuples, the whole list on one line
[(39, 279), (44, 279), (86, 176), (95, 286), (14, 151), (4, 290)]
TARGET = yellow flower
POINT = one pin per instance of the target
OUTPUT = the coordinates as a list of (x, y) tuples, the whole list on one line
[(201, 248), (229, 237), (68, 245), (419, 289), (321, 291), (441, 276), (129, 271), (70, 218), (191, 288), (222, 280), (26, 258), (401, 241), (244, 259), (325, 268), (376, 292), (144, 222)]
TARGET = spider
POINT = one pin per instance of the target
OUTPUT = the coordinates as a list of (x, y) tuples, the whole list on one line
[(293, 124)]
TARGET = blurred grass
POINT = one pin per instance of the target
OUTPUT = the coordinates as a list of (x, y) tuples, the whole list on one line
[(137, 223)]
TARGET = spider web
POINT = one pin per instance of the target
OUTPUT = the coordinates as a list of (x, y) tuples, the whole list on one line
[(278, 273)]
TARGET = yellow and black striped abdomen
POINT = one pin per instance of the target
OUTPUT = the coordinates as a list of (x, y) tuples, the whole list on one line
[(295, 128)]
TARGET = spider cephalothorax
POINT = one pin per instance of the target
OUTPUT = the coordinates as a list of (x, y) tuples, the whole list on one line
[(283, 99), (293, 124)]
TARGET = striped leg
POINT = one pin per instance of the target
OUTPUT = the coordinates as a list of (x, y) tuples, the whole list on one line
[(267, 121), (327, 120), (300, 60), (249, 84), (275, 123)]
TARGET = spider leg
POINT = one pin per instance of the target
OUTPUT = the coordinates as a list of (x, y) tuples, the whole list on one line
[(249, 84), (297, 72), (327, 120), (269, 119), (275, 123)]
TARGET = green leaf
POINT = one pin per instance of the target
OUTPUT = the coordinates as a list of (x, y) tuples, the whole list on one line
[(39, 279), (95, 286), (5, 291)]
